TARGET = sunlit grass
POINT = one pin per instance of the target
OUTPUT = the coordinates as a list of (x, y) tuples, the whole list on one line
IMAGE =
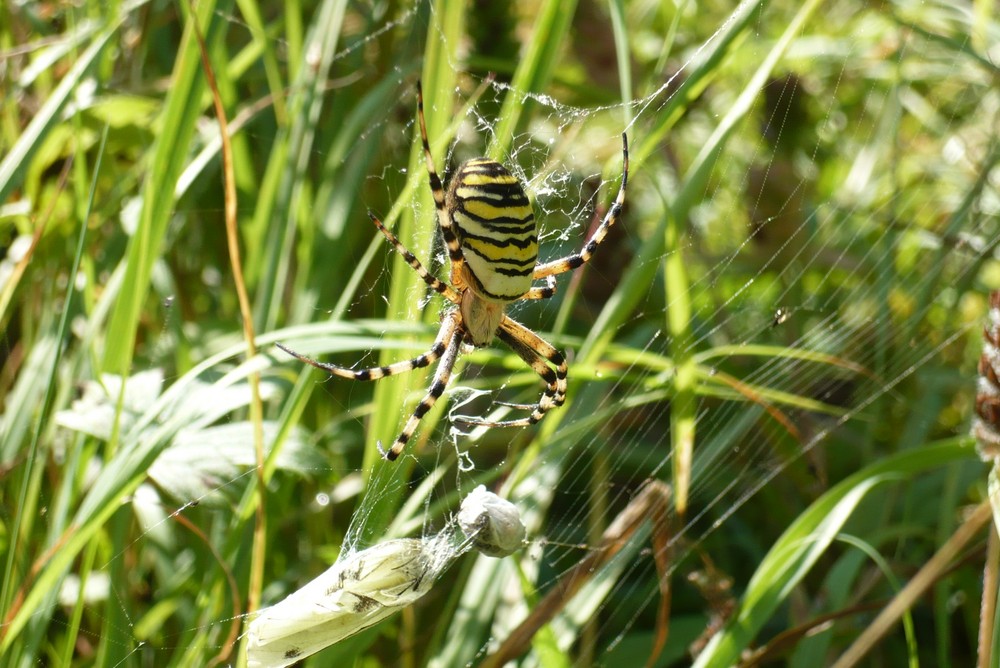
[(804, 389)]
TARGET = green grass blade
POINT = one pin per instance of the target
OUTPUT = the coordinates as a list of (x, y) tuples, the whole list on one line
[(286, 192), (16, 163), (623, 58), (444, 33), (29, 480), (178, 124), (533, 70), (806, 539), (642, 270)]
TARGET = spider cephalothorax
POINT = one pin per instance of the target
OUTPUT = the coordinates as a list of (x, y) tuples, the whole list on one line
[(492, 238)]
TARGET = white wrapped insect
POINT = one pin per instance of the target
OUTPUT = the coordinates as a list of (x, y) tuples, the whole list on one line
[(365, 587), (491, 523)]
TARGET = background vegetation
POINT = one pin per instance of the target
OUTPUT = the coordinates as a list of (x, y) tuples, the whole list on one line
[(785, 326)]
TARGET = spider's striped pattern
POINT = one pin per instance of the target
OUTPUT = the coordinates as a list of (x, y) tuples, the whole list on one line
[(492, 238)]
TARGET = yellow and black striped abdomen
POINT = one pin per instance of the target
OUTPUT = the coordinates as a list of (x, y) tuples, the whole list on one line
[(496, 228)]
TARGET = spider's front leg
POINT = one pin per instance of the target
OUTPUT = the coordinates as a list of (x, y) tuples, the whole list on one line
[(438, 286), (448, 229), (575, 260)]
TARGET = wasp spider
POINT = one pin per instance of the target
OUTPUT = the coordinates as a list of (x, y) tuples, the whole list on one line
[(492, 239)]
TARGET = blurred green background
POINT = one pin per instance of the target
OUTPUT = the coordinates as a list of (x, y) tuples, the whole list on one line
[(784, 326)]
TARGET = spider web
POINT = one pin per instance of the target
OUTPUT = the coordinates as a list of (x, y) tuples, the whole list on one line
[(811, 278), (826, 305)]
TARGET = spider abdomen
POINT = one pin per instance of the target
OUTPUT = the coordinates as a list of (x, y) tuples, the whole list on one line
[(496, 228)]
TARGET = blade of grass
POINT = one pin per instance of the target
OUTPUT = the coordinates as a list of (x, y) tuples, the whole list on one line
[(250, 11), (256, 580), (444, 35), (623, 59), (16, 163), (683, 407), (533, 72), (916, 587), (285, 193), (806, 539), (178, 124), (61, 333)]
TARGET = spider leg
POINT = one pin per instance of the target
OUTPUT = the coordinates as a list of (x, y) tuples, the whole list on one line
[(542, 292), (453, 334), (535, 351), (435, 284), (511, 404), (445, 334), (437, 190), (571, 262)]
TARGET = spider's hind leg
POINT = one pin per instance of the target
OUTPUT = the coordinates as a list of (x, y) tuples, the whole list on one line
[(538, 354)]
